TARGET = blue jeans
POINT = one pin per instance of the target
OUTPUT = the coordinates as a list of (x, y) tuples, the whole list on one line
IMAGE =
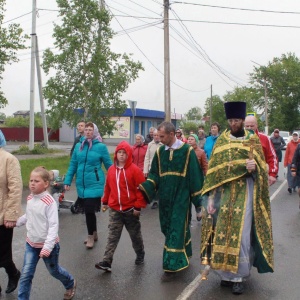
[(31, 259)]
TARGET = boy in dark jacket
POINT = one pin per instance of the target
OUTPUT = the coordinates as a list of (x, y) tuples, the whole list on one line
[(125, 201)]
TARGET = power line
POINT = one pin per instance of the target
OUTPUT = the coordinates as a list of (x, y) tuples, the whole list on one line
[(137, 28), (205, 56), (218, 22), (147, 57), (16, 18), (156, 2), (144, 7), (238, 8)]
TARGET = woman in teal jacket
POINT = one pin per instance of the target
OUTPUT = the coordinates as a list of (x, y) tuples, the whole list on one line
[(86, 162), (211, 140)]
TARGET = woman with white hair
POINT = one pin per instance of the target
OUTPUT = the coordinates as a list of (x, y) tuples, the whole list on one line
[(139, 150)]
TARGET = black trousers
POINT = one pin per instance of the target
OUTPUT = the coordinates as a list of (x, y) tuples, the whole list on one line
[(6, 236), (91, 206)]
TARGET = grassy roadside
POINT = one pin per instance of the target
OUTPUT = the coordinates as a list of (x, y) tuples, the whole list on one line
[(60, 163)]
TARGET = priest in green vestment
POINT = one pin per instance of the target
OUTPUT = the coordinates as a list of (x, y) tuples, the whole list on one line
[(176, 176), (239, 203)]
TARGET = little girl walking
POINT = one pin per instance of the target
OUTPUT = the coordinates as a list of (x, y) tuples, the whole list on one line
[(41, 219)]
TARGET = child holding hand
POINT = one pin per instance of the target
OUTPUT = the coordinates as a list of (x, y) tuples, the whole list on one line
[(41, 219)]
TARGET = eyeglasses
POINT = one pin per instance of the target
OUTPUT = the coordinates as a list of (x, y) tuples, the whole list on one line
[(178, 132), (234, 120)]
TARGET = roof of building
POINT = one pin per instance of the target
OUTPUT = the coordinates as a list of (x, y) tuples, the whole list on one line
[(145, 113)]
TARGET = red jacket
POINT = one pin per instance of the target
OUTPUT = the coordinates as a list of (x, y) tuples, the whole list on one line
[(269, 152), (138, 155), (289, 152), (121, 191)]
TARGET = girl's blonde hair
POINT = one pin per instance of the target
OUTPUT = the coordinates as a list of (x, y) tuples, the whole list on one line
[(42, 172)]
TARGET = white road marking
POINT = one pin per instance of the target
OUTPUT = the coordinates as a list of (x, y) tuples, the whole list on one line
[(188, 291)]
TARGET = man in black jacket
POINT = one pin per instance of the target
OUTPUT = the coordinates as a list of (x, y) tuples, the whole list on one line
[(80, 129), (149, 137)]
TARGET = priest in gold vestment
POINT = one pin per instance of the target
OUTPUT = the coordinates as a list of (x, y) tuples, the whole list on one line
[(239, 203)]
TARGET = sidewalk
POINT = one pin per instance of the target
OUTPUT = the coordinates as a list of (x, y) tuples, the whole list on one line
[(65, 149)]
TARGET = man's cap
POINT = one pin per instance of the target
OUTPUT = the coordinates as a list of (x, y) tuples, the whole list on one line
[(235, 110), (295, 133), (276, 130)]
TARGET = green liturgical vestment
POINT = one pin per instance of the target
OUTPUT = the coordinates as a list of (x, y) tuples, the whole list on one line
[(227, 182), (177, 178)]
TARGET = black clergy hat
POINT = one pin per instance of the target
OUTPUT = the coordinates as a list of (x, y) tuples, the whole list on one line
[(235, 110)]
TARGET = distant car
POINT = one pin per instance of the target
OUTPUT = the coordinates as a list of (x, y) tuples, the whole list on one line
[(286, 136)]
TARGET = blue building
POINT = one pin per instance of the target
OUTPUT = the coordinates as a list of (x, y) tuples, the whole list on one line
[(143, 120)]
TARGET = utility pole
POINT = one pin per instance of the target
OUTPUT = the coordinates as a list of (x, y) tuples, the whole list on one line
[(167, 62), (266, 106), (210, 107), (266, 97), (40, 85), (35, 60), (32, 82), (101, 3)]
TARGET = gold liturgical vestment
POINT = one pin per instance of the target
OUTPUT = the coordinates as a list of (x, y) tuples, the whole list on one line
[(226, 182)]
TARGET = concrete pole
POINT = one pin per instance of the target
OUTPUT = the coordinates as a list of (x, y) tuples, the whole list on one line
[(210, 107), (167, 62), (40, 85), (32, 82), (101, 3), (266, 107)]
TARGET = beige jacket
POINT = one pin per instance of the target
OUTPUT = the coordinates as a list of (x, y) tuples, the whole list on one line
[(11, 187), (152, 147)]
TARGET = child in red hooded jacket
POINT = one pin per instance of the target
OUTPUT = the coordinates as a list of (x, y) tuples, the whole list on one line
[(125, 201)]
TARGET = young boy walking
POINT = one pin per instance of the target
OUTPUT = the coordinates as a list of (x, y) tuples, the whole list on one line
[(42, 240), (125, 201)]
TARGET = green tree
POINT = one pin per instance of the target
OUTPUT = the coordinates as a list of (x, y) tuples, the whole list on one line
[(218, 113), (24, 122), (282, 77), (11, 40), (246, 94), (2, 116), (188, 126), (88, 75), (195, 113)]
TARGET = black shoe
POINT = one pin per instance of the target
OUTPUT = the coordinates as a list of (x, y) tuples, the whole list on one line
[(103, 265), (237, 288), (226, 283), (13, 282), (290, 190), (168, 276), (154, 205), (140, 258)]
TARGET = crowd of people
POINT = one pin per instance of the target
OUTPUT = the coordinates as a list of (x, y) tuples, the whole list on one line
[(224, 175)]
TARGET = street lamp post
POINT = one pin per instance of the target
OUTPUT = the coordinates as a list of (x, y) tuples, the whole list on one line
[(132, 105)]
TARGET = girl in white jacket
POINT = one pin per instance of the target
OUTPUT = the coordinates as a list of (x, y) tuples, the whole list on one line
[(42, 240)]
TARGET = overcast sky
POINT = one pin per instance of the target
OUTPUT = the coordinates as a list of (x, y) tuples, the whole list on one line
[(202, 36)]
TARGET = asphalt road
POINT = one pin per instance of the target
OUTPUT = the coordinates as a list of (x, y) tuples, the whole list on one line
[(128, 281)]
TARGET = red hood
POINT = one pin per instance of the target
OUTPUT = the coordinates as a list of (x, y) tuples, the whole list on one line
[(125, 146)]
